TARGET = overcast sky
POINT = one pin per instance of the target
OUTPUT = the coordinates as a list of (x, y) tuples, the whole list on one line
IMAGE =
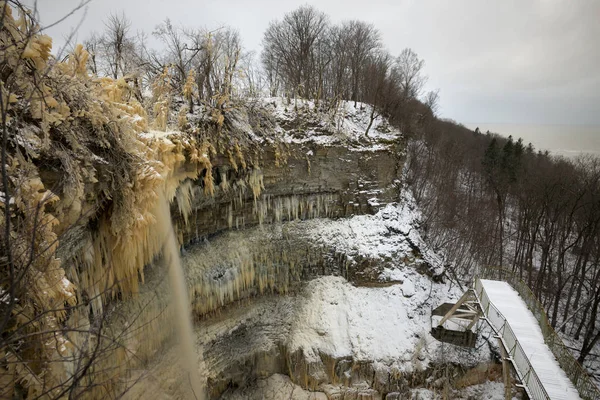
[(505, 61)]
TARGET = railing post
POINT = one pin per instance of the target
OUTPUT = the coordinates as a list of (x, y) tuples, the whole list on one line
[(512, 351), (505, 371), (526, 376)]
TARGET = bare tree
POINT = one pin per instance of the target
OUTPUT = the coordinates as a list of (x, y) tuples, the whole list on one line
[(408, 70), (177, 52), (117, 44), (270, 63), (364, 40), (340, 53), (377, 88), (432, 99), (291, 45), (214, 57), (93, 46), (225, 52), (254, 84)]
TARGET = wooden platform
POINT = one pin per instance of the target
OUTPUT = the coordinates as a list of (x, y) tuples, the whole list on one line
[(459, 338)]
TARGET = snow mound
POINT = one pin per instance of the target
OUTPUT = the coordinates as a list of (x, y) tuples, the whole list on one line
[(341, 320)]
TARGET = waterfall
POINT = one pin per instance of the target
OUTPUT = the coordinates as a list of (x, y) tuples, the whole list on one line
[(180, 300)]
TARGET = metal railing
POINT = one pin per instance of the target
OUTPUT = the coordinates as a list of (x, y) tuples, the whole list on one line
[(525, 372), (584, 384)]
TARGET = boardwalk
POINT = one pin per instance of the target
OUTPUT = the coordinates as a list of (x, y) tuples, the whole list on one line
[(501, 304)]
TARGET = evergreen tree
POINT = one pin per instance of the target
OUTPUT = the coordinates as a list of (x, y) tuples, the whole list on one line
[(491, 157), (508, 161)]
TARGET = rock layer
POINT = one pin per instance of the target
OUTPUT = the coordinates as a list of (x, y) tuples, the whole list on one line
[(330, 182)]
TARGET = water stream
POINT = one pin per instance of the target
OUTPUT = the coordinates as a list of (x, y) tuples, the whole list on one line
[(180, 301)]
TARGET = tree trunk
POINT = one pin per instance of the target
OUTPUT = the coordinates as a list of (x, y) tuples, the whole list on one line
[(590, 339), (371, 119)]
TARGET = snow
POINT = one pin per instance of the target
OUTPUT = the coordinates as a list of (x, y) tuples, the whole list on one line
[(28, 139), (382, 324), (390, 235), (66, 287), (408, 289), (3, 199), (373, 202), (4, 296), (529, 335), (364, 235), (338, 319), (344, 125), (153, 134), (386, 325)]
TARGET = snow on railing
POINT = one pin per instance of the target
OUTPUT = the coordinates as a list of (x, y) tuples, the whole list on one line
[(577, 374), (525, 372)]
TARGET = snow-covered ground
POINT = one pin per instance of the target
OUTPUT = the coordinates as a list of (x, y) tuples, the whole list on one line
[(341, 320), (391, 235), (345, 124)]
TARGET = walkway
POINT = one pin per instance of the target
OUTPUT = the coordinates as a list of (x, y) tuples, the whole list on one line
[(535, 364)]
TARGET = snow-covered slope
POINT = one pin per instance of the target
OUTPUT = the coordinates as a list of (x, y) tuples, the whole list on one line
[(391, 235), (303, 121), (366, 324)]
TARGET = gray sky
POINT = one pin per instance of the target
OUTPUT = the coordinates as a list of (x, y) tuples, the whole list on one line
[(508, 61)]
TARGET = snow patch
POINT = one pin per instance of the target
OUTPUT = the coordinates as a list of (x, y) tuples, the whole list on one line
[(3, 199)]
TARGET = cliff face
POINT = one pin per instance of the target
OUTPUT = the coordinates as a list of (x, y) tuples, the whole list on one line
[(308, 174), (339, 305), (330, 182), (289, 166), (271, 271), (313, 180)]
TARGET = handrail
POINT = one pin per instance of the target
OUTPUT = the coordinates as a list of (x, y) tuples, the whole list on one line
[(525, 371), (584, 384)]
